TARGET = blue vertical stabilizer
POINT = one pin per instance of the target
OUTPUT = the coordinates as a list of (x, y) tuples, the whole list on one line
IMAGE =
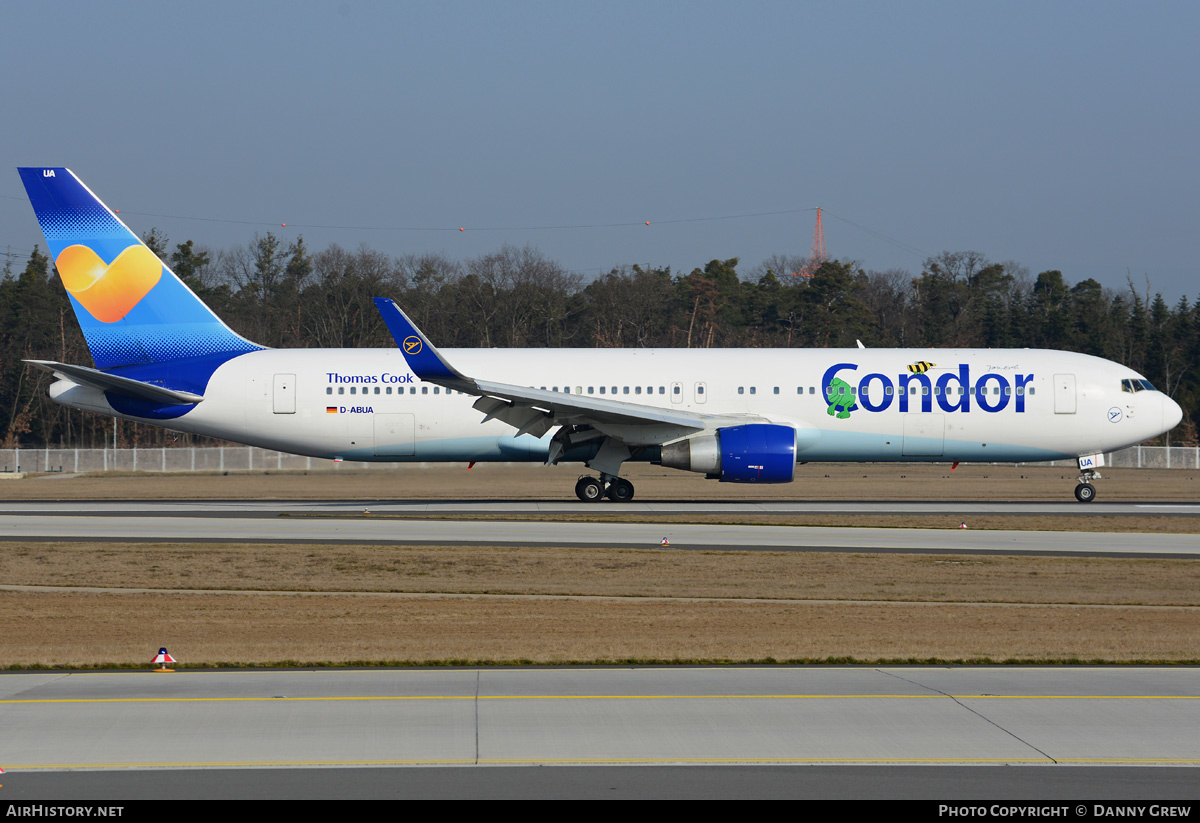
[(138, 318)]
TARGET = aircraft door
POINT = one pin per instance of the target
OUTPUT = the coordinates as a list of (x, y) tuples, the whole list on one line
[(285, 394), (1064, 394), (924, 433), (676, 392), (395, 435), (701, 390)]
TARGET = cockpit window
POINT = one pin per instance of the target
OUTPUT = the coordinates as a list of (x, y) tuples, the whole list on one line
[(1133, 385)]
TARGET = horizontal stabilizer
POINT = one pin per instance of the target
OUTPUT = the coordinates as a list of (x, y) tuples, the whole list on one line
[(112, 383)]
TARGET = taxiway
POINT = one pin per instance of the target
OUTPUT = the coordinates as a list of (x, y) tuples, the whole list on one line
[(752, 718), (317, 522)]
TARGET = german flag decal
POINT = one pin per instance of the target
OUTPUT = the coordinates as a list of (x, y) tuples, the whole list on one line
[(331, 409)]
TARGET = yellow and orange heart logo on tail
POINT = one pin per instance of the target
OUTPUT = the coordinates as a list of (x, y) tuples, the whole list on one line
[(109, 290)]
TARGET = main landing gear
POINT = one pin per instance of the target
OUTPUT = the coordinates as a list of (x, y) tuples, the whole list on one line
[(1085, 492), (617, 489)]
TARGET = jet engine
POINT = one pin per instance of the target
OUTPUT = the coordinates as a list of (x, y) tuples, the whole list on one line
[(753, 453)]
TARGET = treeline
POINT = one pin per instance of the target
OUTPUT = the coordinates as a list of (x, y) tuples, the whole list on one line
[(284, 295)]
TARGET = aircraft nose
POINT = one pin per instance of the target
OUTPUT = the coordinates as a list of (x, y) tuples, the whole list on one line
[(1172, 414)]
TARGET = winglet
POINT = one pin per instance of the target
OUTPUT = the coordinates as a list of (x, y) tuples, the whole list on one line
[(423, 358)]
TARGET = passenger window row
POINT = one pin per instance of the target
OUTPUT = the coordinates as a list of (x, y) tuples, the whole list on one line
[(937, 390), (1126, 385), (388, 390)]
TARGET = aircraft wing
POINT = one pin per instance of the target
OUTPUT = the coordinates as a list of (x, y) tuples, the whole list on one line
[(537, 411)]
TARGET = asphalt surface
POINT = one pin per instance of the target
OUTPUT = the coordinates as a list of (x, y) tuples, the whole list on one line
[(558, 507), (1074, 787), (311, 523), (748, 722)]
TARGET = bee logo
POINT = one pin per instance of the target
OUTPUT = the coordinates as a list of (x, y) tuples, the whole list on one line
[(921, 366)]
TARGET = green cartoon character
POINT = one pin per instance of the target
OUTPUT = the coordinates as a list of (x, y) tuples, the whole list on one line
[(841, 398)]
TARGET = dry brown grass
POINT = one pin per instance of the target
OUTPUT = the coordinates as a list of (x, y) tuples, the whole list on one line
[(604, 572), (438, 604), (82, 629), (569, 605)]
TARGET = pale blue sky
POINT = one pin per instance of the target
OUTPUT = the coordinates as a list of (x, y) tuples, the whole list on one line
[(1059, 135)]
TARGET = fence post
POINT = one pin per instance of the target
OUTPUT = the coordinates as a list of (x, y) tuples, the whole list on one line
[(164, 468), (1139, 455), (77, 460)]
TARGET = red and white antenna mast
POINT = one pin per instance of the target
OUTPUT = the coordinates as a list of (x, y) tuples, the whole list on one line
[(817, 256)]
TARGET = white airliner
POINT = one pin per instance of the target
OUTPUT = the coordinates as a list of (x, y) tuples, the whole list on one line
[(737, 415)]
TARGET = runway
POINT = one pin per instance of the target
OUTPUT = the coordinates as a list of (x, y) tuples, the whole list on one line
[(211, 508), (310, 522), (714, 716)]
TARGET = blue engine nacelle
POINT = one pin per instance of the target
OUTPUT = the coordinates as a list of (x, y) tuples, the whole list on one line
[(758, 453), (753, 453)]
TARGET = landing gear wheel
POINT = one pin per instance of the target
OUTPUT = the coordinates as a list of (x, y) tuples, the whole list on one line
[(620, 491), (1085, 492), (589, 490)]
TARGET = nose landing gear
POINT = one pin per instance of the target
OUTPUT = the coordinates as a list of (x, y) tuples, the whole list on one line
[(1085, 492)]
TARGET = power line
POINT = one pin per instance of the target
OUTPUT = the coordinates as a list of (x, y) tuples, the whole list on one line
[(547, 227), (898, 243)]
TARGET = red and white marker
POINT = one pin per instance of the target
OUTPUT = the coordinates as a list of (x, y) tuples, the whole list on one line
[(664, 542), (162, 659), (963, 524)]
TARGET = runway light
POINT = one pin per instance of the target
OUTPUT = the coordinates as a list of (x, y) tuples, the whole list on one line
[(647, 222), (284, 225), (460, 228), (963, 524), (664, 542), (162, 659)]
